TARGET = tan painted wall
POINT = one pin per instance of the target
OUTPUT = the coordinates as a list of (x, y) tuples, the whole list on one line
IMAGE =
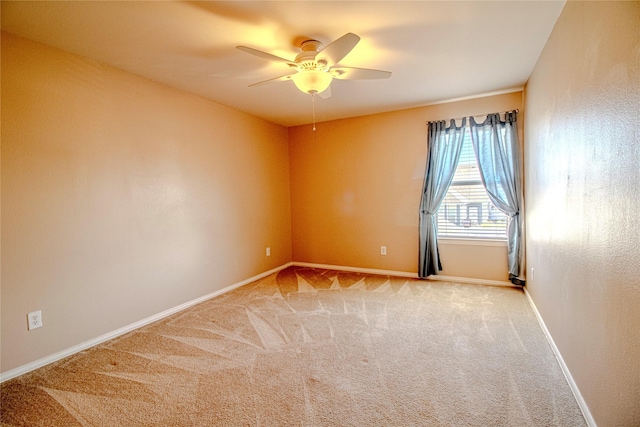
[(582, 169), (122, 198), (356, 185)]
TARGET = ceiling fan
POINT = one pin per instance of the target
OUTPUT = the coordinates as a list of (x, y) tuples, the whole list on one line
[(316, 66)]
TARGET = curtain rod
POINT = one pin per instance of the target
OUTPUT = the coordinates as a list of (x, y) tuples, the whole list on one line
[(473, 115)]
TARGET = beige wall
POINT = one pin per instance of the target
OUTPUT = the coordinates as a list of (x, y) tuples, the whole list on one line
[(583, 175), (356, 185), (122, 198)]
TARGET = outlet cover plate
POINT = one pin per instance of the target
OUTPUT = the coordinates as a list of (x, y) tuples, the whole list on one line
[(34, 319)]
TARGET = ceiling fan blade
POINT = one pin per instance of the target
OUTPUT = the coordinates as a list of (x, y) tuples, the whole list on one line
[(338, 49), (265, 55), (358, 73), (325, 93), (274, 80)]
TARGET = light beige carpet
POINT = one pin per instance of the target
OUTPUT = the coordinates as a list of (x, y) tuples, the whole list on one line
[(310, 347)]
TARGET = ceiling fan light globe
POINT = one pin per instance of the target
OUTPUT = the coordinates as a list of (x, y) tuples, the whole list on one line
[(312, 81)]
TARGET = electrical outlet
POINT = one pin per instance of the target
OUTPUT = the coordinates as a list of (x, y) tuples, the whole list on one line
[(532, 274), (268, 251), (383, 250), (34, 319)]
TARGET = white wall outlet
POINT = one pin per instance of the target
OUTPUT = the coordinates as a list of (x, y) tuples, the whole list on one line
[(268, 251), (532, 274), (383, 250), (34, 319)]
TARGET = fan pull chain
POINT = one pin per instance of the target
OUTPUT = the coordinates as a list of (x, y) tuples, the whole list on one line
[(313, 105)]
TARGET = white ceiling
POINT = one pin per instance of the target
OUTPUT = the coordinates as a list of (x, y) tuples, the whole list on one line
[(436, 50)]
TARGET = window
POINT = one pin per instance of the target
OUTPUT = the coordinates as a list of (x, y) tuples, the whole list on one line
[(467, 212)]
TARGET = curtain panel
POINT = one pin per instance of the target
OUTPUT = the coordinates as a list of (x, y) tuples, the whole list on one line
[(444, 145), (495, 143)]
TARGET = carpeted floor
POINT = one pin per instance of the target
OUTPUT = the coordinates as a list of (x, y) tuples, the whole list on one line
[(310, 347)]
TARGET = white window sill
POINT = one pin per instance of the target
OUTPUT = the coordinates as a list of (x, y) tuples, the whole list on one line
[(471, 242)]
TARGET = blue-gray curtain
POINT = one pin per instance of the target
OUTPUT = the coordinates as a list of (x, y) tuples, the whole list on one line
[(495, 143), (444, 147)]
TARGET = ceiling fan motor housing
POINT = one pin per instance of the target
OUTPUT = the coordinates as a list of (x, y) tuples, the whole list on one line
[(306, 60)]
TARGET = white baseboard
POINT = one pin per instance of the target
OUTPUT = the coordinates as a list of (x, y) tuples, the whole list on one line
[(128, 328), (405, 274), (565, 369), (472, 281), (356, 269)]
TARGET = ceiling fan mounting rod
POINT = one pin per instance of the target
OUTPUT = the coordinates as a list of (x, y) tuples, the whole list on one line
[(311, 45)]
